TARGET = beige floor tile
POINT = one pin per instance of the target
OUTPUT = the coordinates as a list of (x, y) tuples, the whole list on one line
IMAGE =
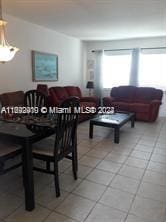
[(157, 167), (159, 158), (125, 184), (97, 153), (150, 137), (147, 208), (8, 182), (21, 215), (89, 142), (83, 149), (153, 191), (76, 207), (109, 166), (67, 182), (83, 171), (154, 177), (89, 161), (54, 217), (101, 160), (42, 179), (160, 145), (90, 190), (117, 199), (126, 146), (104, 148), (141, 155), (132, 218), (100, 176), (135, 162), (144, 148), (146, 142), (47, 197), (160, 151), (116, 157), (8, 204), (64, 164), (133, 172), (103, 213)]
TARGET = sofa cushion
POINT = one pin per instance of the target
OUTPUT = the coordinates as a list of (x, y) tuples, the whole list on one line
[(139, 107), (73, 91), (123, 93), (119, 105), (144, 94)]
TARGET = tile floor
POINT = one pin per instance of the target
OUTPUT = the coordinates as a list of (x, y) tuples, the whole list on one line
[(123, 182)]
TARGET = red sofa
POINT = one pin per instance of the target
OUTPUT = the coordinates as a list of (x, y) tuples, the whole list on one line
[(58, 93), (143, 101), (12, 98)]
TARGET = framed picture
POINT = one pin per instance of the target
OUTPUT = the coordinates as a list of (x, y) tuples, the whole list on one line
[(44, 66)]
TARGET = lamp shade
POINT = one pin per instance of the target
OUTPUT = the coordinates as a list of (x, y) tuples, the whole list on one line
[(90, 85), (7, 52)]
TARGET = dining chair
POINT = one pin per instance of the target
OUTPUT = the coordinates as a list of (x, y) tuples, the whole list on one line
[(8, 151), (63, 146), (35, 100)]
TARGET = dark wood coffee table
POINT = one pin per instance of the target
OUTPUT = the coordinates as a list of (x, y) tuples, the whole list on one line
[(115, 121)]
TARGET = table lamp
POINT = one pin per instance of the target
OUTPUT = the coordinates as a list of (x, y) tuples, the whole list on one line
[(90, 86)]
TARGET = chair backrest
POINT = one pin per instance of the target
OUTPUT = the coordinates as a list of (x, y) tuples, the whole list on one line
[(43, 88), (35, 101), (66, 134)]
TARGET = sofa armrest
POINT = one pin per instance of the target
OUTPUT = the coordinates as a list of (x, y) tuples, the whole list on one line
[(90, 99), (156, 102), (154, 109), (108, 100)]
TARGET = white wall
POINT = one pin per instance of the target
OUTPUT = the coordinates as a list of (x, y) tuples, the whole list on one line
[(17, 74)]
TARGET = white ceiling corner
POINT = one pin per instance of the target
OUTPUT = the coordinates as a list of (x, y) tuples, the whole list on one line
[(94, 19)]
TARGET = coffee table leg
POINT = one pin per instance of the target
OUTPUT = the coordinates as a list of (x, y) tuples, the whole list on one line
[(133, 121), (91, 130), (116, 135)]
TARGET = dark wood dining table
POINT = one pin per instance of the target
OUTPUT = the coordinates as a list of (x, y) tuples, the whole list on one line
[(25, 133)]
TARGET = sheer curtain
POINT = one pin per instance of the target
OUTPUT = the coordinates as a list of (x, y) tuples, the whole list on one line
[(152, 68), (116, 68), (138, 67), (98, 83), (134, 70)]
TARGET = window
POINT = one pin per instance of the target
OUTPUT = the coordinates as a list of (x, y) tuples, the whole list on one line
[(152, 69), (116, 69)]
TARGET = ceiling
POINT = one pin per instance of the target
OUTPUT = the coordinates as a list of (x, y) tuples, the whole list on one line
[(94, 19)]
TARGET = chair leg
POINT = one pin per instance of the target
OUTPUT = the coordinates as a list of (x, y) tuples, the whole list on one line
[(1, 167), (74, 163), (56, 179), (48, 165)]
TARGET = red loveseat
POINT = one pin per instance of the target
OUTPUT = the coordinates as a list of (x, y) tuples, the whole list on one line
[(143, 101), (58, 93)]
